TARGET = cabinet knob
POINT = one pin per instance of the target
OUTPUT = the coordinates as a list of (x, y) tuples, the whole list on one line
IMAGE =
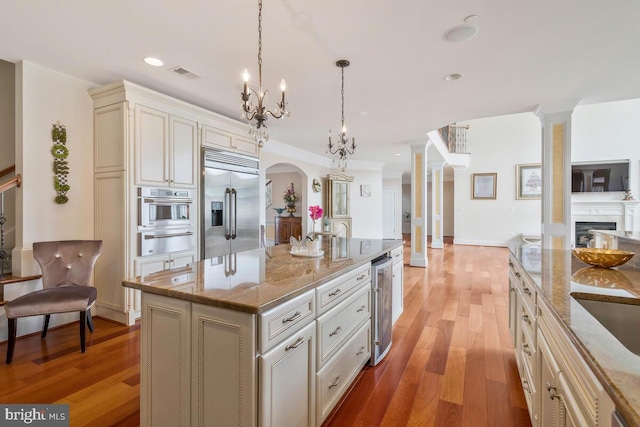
[(527, 291), (525, 317), (525, 349), (553, 392)]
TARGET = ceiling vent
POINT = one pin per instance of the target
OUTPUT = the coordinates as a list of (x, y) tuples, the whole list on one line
[(185, 73)]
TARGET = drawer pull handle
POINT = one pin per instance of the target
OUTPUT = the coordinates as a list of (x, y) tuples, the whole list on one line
[(362, 276), (527, 291), (292, 318), (336, 331), (296, 344), (361, 308), (334, 293), (525, 349), (525, 386), (553, 392), (516, 274), (510, 264), (360, 351), (336, 382), (525, 317)]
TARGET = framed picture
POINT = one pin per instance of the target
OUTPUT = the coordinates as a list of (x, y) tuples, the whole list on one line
[(365, 190), (484, 185), (268, 195), (529, 181)]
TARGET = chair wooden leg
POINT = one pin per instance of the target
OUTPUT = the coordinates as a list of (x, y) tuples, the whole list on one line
[(11, 344), (83, 324), (46, 326), (89, 320)]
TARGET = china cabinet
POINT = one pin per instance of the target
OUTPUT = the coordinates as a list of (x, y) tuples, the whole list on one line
[(287, 227), (338, 208)]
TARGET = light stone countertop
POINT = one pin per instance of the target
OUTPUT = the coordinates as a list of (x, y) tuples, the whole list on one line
[(557, 273), (255, 281)]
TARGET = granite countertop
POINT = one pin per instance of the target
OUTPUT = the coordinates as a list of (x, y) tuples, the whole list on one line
[(256, 280), (558, 274)]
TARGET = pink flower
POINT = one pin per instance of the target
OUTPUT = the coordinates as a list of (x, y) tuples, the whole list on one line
[(315, 212)]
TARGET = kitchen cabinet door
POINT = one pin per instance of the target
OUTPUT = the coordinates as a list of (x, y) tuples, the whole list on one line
[(397, 294), (152, 147), (288, 381), (183, 149)]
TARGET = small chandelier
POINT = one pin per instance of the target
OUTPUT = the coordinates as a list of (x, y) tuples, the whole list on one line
[(257, 115), (343, 147)]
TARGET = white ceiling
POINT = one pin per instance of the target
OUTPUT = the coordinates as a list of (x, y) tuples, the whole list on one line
[(526, 53)]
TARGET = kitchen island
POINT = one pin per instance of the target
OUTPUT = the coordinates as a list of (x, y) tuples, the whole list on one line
[(260, 337), (576, 364)]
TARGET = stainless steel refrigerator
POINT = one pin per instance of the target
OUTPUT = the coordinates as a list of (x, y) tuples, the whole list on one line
[(230, 202)]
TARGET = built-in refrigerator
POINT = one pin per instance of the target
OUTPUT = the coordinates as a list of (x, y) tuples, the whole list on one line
[(230, 202)]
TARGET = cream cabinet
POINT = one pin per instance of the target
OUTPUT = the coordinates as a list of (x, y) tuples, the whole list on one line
[(218, 138), (144, 266), (559, 388), (287, 381), (166, 149), (397, 284)]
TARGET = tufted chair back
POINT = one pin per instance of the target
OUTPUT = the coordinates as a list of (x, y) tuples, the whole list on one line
[(67, 262)]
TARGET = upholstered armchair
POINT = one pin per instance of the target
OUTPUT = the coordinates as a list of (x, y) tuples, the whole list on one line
[(67, 267)]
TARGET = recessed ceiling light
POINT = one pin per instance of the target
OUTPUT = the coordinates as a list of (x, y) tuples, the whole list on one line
[(398, 154), (464, 32), (155, 62), (452, 77), (363, 113)]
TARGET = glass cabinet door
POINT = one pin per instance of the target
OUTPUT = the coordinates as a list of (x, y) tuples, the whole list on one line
[(339, 195)]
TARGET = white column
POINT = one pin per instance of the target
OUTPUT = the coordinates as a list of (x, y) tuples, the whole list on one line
[(437, 201), (419, 205), (556, 175)]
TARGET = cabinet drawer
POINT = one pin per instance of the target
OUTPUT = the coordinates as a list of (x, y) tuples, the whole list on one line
[(527, 352), (396, 254), (527, 321), (336, 326), (339, 373), (528, 293), (332, 293), (280, 322)]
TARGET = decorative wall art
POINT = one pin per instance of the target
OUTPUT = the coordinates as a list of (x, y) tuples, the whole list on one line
[(529, 181), (268, 194), (484, 185), (365, 190), (316, 186), (60, 153)]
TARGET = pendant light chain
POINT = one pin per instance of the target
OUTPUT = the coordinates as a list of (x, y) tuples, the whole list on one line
[(343, 147), (260, 45), (342, 92)]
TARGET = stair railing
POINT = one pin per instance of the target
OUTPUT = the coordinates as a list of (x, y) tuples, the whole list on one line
[(16, 181), (455, 136)]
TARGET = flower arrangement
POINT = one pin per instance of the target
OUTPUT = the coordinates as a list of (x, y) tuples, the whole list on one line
[(315, 212), (290, 195)]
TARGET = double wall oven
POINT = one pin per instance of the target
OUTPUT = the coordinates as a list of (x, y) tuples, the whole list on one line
[(165, 221)]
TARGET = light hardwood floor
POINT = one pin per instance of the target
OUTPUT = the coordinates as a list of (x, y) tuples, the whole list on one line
[(451, 363)]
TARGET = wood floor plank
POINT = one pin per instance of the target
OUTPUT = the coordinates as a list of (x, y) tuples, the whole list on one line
[(425, 404), (498, 404), (453, 385), (493, 349), (475, 400)]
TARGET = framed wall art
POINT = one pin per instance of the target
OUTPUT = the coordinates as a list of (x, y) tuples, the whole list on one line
[(484, 186), (268, 195), (529, 181)]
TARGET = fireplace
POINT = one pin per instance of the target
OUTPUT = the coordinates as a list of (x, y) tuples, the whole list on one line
[(582, 230)]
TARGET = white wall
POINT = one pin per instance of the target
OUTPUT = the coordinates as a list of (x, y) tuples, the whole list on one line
[(44, 96), (608, 131), (498, 144), (366, 212)]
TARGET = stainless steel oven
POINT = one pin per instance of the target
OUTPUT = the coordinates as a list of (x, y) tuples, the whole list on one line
[(165, 240), (165, 221), (164, 207)]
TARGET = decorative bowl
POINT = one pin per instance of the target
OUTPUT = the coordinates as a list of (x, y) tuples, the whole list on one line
[(279, 210), (605, 258)]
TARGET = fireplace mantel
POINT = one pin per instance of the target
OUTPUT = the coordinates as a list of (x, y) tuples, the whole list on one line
[(623, 212)]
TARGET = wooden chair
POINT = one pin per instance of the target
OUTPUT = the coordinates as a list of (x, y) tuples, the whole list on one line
[(67, 267)]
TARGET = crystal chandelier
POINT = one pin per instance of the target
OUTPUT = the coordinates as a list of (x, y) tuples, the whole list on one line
[(343, 147), (257, 115)]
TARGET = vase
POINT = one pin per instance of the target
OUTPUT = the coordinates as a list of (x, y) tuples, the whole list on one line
[(291, 208), (313, 247)]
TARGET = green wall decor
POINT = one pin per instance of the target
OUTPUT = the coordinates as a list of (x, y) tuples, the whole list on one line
[(60, 165)]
